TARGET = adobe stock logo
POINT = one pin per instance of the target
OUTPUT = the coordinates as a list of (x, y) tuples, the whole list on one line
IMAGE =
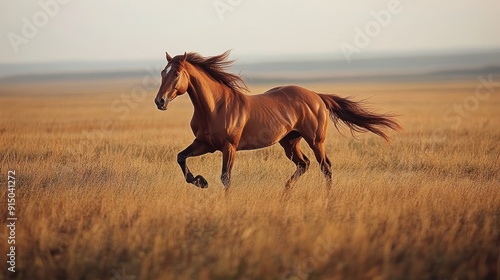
[(455, 116), (373, 28), (31, 26), (223, 6)]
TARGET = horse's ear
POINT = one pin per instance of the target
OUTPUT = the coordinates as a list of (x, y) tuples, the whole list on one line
[(169, 58), (185, 56)]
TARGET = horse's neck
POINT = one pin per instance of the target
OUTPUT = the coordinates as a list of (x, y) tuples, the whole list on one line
[(205, 93)]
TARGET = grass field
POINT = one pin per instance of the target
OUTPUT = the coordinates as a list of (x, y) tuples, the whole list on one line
[(99, 194)]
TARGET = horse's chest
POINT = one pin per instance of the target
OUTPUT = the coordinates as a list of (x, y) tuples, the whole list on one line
[(216, 131), (216, 140)]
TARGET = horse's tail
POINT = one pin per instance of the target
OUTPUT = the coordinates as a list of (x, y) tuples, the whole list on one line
[(357, 118)]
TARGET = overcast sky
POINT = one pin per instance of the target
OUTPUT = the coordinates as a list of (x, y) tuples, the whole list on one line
[(135, 30)]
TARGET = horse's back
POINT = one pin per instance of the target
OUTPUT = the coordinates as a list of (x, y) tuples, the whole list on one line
[(295, 104), (290, 89), (293, 95)]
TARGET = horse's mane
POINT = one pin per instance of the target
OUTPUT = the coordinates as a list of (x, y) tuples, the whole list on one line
[(215, 66)]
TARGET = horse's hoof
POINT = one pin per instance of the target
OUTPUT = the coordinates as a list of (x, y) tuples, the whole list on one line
[(200, 182)]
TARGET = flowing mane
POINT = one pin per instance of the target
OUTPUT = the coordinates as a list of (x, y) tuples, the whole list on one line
[(215, 66)]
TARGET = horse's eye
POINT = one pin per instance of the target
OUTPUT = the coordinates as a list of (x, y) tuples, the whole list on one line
[(176, 74)]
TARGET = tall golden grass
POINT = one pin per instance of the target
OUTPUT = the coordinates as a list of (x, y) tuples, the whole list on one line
[(100, 195)]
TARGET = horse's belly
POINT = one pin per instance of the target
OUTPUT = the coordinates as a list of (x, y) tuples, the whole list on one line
[(256, 137)]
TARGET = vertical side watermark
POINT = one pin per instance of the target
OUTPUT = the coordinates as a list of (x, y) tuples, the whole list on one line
[(11, 220)]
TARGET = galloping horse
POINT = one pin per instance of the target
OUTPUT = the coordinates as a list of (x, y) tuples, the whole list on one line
[(226, 119)]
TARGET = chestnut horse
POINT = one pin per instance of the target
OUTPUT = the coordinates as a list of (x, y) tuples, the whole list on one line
[(226, 119)]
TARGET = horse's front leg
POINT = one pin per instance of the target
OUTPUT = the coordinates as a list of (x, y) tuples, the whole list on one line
[(197, 148), (228, 155)]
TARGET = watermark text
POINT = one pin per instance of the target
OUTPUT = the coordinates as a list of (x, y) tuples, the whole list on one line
[(11, 220)]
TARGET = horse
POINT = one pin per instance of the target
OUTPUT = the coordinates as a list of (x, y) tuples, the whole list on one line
[(227, 119)]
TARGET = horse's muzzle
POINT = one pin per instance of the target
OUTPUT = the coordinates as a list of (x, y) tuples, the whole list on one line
[(161, 104)]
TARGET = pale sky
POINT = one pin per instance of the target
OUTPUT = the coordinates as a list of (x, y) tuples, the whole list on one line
[(115, 30)]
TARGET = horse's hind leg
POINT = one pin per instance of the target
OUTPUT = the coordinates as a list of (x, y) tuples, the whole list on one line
[(291, 145), (324, 162)]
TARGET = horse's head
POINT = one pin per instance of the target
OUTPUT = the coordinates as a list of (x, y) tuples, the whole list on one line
[(174, 81)]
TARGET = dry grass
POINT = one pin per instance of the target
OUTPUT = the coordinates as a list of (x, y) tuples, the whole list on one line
[(106, 200)]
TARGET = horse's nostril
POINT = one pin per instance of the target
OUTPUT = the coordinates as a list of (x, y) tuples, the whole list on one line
[(162, 102)]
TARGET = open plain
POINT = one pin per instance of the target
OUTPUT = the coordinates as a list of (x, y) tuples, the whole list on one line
[(99, 194)]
